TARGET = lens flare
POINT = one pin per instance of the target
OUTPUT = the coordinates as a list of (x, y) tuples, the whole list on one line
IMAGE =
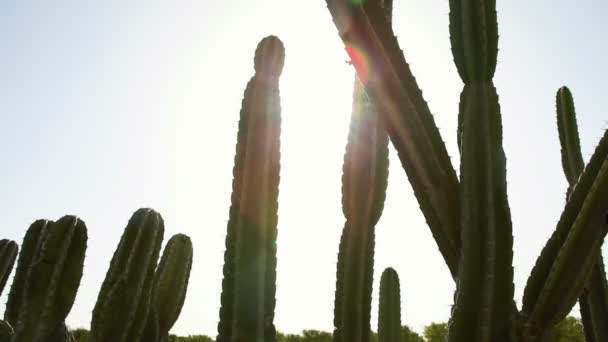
[(359, 59)]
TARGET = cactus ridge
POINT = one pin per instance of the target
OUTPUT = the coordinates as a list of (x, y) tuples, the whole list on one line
[(31, 244), (6, 332), (564, 265), (8, 255), (171, 282), (389, 313), (409, 122), (123, 303), (53, 280)]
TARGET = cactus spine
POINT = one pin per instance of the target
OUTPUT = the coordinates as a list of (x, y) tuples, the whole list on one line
[(52, 281), (248, 294), (389, 313), (364, 27), (123, 303), (364, 182), (170, 285), (594, 300), (8, 255)]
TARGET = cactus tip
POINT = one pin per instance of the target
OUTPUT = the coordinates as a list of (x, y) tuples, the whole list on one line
[(270, 57)]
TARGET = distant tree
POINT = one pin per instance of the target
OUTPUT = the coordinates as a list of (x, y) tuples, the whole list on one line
[(190, 338), (436, 332), (408, 335), (80, 335), (568, 330)]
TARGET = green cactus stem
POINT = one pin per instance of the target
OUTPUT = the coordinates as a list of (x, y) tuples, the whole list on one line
[(378, 59), (52, 282), (389, 313), (122, 307), (171, 283), (593, 302), (567, 260), (29, 249), (248, 286), (8, 255)]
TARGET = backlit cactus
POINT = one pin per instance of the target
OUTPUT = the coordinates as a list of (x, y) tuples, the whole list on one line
[(389, 313), (248, 288), (122, 307), (52, 280), (170, 285), (6, 332), (8, 255)]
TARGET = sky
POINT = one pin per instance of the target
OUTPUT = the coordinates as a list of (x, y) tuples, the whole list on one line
[(109, 106)]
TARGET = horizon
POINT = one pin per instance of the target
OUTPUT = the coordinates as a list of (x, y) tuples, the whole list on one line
[(113, 107)]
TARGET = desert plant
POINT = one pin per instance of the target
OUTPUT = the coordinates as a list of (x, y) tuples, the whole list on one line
[(248, 286), (389, 312), (169, 287), (594, 300), (50, 280), (470, 219), (123, 302), (8, 255)]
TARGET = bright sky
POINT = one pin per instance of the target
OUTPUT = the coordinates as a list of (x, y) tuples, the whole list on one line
[(109, 106)]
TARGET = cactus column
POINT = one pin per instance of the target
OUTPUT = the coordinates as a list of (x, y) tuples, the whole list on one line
[(121, 311), (169, 287), (594, 300), (52, 280), (248, 287), (8, 255), (389, 313)]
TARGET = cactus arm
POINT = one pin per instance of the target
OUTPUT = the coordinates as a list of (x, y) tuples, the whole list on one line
[(256, 227), (567, 259), (572, 158), (389, 312), (365, 30), (121, 310), (171, 282), (53, 281), (31, 244), (593, 306), (6, 332), (8, 255)]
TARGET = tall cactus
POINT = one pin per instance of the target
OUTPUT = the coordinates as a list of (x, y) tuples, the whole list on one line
[(170, 286), (389, 313), (121, 311), (366, 31), (594, 300), (52, 280), (8, 255), (248, 287), (364, 182)]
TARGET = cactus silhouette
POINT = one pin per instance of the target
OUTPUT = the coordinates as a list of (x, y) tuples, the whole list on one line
[(8, 255), (52, 280), (123, 303), (389, 312), (169, 287), (248, 287)]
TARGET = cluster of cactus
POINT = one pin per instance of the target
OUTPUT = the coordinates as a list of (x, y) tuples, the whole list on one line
[(470, 217), (50, 267)]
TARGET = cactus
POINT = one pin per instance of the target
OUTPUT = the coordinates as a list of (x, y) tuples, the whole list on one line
[(248, 295), (594, 300), (8, 255), (121, 311), (364, 182), (52, 280), (170, 285), (30, 246), (389, 313), (366, 30)]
